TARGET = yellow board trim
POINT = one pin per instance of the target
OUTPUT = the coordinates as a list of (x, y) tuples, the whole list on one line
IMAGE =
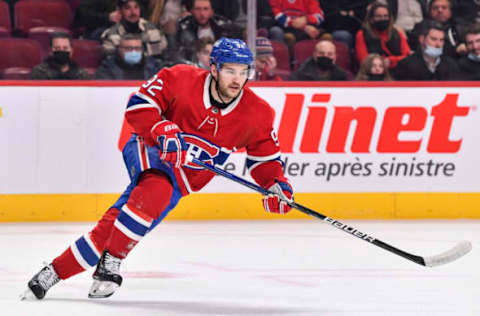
[(222, 206)]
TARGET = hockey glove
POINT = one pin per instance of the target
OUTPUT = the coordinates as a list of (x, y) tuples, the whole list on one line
[(173, 148), (274, 203)]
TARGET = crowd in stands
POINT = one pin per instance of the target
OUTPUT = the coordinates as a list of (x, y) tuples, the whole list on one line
[(312, 40)]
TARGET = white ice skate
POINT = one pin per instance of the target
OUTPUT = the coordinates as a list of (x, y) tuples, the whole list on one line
[(106, 278)]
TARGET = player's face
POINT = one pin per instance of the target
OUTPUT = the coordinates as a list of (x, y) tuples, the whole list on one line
[(231, 79)]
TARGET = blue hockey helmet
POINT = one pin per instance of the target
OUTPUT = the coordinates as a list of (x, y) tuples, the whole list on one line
[(230, 50)]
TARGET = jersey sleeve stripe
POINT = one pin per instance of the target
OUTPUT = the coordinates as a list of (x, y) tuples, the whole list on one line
[(252, 164), (141, 101), (264, 158)]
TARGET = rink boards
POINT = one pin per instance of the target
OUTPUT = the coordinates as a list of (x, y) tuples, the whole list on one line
[(352, 151)]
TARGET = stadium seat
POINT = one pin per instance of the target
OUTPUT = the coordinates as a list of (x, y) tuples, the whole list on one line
[(16, 73), (4, 32), (280, 51), (5, 23), (304, 49), (42, 34), (74, 4), (33, 13), (19, 52), (91, 71), (87, 53)]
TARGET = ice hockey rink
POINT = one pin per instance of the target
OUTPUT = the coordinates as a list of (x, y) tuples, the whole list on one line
[(302, 267)]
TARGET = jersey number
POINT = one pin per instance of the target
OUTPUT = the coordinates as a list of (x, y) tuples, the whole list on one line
[(153, 84)]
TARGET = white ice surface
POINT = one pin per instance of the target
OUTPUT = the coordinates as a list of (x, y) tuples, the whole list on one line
[(255, 268)]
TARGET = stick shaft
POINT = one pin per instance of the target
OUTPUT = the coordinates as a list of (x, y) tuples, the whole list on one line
[(339, 225)]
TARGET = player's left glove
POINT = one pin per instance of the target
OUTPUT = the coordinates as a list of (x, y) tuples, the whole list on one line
[(169, 138), (274, 203)]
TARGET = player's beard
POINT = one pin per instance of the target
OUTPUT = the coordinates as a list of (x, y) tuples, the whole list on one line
[(225, 91)]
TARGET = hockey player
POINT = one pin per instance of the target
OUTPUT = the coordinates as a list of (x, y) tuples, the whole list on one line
[(181, 111)]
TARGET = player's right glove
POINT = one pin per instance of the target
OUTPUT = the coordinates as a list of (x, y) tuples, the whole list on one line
[(274, 203), (168, 137)]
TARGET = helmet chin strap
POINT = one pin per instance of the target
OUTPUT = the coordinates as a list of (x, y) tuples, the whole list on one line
[(218, 93)]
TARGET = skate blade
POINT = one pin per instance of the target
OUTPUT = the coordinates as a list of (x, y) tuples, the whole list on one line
[(102, 289), (27, 295)]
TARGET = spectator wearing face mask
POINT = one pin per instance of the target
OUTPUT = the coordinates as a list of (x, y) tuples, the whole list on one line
[(129, 62), (381, 37), (321, 66), (470, 64), (428, 61), (373, 68), (440, 11), (58, 65)]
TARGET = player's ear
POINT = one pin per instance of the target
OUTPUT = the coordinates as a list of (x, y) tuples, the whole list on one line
[(214, 71)]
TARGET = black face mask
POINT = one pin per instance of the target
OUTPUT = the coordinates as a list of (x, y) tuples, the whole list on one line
[(61, 57), (381, 25), (376, 77), (131, 27), (324, 63)]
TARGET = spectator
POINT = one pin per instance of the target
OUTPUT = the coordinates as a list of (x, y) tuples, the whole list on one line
[(428, 62), (470, 64), (373, 68), (204, 49), (265, 62), (229, 9), (265, 19), (406, 13), (165, 15), (95, 16), (298, 20), (441, 11), (321, 66), (202, 23), (466, 12), (153, 38), (129, 62), (343, 18), (58, 65), (381, 37)]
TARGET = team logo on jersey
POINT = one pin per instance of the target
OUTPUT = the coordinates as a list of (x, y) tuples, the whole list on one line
[(205, 151)]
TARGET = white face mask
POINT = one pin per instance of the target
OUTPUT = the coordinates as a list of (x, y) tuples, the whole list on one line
[(433, 52), (473, 57)]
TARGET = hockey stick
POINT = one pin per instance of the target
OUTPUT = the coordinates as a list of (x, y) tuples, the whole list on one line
[(448, 256)]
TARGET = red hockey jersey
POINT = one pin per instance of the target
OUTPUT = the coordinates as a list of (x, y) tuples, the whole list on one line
[(285, 10), (181, 94)]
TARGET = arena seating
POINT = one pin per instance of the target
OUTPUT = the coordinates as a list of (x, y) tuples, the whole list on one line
[(87, 53), (34, 13), (5, 22), (280, 51), (16, 73), (19, 52)]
